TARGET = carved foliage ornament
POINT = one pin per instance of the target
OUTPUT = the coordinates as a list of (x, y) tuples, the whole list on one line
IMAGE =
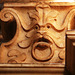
[(38, 38)]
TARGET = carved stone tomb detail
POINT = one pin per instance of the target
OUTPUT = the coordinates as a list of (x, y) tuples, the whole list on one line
[(35, 34)]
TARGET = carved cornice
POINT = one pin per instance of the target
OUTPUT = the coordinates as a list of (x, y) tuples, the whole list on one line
[(23, 3), (33, 4), (32, 69), (37, 0)]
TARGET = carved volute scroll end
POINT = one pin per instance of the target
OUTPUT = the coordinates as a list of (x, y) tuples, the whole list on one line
[(6, 16), (11, 25), (71, 24), (69, 20)]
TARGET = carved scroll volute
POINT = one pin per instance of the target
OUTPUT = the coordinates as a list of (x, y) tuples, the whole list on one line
[(7, 16), (71, 20)]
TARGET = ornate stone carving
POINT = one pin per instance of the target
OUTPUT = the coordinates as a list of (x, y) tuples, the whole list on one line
[(18, 57), (39, 35)]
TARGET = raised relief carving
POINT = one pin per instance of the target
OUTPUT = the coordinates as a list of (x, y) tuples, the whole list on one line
[(43, 33), (17, 56), (10, 55), (38, 38)]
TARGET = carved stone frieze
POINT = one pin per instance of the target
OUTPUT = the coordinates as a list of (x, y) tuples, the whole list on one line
[(35, 34)]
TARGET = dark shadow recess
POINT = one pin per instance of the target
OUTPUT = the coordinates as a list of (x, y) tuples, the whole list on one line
[(8, 30)]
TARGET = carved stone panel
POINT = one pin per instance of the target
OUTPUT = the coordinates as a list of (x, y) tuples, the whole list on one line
[(34, 34)]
